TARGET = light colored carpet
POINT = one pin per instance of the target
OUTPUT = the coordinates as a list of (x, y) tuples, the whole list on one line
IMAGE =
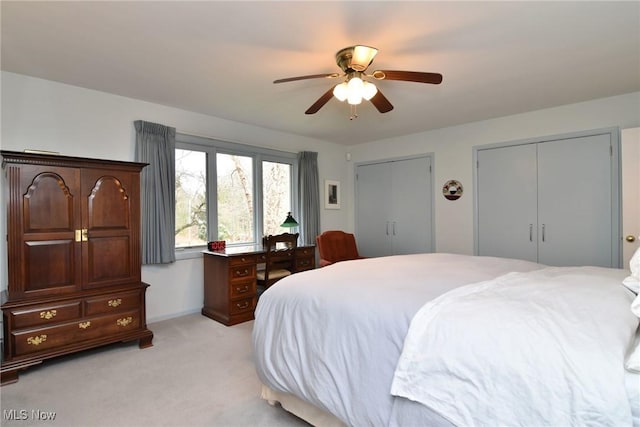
[(198, 373)]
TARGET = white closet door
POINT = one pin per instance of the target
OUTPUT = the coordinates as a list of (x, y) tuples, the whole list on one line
[(575, 202), (506, 202), (373, 193), (411, 202)]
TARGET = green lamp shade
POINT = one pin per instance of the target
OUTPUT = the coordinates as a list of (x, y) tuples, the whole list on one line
[(289, 222)]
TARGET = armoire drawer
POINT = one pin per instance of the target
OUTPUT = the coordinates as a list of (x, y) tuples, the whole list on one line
[(43, 315), (37, 340), (113, 303)]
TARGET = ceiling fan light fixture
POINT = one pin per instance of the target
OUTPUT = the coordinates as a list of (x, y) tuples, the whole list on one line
[(368, 90), (341, 91), (355, 90), (362, 57)]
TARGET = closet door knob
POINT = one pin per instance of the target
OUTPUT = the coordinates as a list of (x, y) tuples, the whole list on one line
[(630, 238)]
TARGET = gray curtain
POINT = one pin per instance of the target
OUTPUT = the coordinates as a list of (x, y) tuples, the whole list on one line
[(309, 196), (155, 145)]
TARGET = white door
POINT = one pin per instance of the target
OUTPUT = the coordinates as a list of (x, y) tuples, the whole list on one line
[(411, 205), (575, 202), (373, 209), (630, 193), (552, 202), (507, 202), (394, 207)]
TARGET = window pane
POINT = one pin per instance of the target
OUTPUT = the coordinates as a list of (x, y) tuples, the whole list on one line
[(191, 198), (276, 196), (235, 198)]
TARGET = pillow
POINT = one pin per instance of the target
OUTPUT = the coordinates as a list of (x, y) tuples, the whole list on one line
[(632, 362), (633, 282), (633, 359)]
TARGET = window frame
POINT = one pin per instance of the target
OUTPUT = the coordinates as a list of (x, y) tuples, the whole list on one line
[(211, 147)]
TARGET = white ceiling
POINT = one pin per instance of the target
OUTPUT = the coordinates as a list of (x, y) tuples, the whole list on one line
[(220, 58)]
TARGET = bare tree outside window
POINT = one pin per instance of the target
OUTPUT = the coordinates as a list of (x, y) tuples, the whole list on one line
[(276, 183), (235, 198), (191, 200)]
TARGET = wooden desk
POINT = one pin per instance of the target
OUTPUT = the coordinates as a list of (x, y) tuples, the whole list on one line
[(230, 294)]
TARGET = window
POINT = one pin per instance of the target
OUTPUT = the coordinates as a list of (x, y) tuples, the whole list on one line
[(276, 190), (231, 192), (235, 198), (191, 198)]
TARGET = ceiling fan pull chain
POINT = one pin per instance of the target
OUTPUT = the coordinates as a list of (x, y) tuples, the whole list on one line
[(354, 112)]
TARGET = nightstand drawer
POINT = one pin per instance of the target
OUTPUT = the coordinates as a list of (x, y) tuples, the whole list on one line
[(306, 252), (242, 305), (111, 303), (242, 272), (45, 314), (242, 289), (303, 264), (37, 340), (242, 260)]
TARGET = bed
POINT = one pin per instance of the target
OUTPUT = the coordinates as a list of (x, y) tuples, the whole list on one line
[(403, 340)]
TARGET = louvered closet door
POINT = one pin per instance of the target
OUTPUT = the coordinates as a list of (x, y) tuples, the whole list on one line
[(373, 226), (507, 202), (575, 202)]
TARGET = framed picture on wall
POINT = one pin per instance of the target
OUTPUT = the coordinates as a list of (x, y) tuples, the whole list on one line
[(331, 194)]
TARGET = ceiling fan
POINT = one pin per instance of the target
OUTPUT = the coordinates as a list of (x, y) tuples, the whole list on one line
[(354, 61)]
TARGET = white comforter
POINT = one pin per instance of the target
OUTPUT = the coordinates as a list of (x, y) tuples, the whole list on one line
[(544, 348), (333, 336)]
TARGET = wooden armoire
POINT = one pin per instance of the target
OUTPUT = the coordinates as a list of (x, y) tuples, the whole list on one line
[(74, 262)]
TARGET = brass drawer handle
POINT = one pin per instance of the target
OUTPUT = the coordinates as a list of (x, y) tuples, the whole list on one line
[(49, 314), (243, 306), (124, 321), (36, 340), (115, 302), (84, 325), (243, 289), (242, 273)]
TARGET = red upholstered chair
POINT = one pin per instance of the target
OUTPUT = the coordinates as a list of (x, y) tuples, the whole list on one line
[(336, 245)]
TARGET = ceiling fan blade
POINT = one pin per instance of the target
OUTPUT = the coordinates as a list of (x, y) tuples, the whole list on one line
[(381, 102), (320, 102), (312, 76), (408, 76)]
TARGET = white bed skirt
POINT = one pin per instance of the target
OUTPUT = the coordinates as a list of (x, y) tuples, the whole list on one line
[(301, 409)]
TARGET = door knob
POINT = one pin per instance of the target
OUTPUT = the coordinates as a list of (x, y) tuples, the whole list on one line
[(630, 238)]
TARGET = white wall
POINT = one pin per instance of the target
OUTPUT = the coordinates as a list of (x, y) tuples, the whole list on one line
[(453, 148), (45, 115)]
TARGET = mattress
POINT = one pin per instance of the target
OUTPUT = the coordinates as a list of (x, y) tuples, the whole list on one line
[(332, 336)]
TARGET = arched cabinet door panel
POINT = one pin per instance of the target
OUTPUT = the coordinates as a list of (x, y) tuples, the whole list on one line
[(47, 210), (112, 243)]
